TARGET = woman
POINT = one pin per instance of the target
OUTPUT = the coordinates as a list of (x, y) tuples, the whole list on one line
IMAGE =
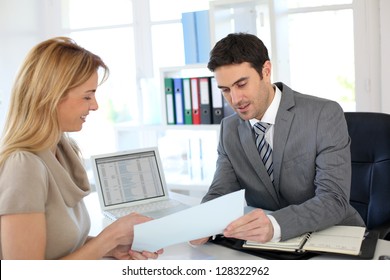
[(42, 179)]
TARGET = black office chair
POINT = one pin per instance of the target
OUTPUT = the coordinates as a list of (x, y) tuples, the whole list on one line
[(370, 152)]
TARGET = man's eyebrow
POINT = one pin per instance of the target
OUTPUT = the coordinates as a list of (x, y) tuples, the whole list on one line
[(236, 82)]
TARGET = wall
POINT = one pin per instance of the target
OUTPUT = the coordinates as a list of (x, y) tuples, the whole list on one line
[(385, 55), (23, 23)]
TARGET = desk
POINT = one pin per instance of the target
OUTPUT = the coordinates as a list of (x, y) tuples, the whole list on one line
[(207, 251)]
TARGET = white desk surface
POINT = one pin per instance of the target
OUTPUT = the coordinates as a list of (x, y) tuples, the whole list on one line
[(209, 251)]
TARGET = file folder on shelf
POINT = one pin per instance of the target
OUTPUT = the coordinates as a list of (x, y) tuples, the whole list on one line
[(195, 100), (187, 101), (189, 37), (196, 35), (169, 101), (217, 102), (179, 105), (202, 24), (205, 104)]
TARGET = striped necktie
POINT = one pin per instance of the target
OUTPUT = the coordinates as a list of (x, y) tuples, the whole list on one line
[(263, 147)]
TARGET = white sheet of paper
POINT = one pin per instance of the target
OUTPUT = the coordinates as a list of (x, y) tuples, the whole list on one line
[(203, 220)]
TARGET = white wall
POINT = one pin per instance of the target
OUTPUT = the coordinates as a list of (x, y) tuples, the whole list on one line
[(23, 23), (385, 55)]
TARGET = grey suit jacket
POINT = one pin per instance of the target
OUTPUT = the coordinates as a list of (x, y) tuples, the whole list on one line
[(312, 165)]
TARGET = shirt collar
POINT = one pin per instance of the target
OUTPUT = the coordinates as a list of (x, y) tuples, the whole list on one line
[(272, 110)]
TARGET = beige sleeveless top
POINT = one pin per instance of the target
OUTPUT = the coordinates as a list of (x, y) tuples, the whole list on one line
[(54, 185)]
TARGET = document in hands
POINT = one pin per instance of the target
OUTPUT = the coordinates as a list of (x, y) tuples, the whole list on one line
[(336, 239), (207, 219)]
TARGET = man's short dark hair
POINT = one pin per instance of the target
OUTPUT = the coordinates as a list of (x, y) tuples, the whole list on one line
[(237, 48)]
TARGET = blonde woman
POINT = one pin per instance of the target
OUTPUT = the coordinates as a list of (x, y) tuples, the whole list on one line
[(42, 179)]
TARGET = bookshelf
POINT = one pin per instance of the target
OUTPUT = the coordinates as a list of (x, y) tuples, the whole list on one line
[(176, 74), (188, 151), (188, 154)]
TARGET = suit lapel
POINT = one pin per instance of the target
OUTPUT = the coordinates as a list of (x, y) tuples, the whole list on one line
[(247, 141), (283, 123)]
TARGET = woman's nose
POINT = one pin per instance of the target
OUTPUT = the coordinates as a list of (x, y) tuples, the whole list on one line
[(94, 105)]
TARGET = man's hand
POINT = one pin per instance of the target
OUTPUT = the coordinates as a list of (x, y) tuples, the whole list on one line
[(199, 241), (254, 226)]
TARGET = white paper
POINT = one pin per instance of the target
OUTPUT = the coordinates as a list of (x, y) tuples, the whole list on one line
[(200, 221)]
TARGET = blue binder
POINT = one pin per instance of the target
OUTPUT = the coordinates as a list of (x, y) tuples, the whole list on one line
[(179, 100), (189, 36), (203, 35), (196, 35)]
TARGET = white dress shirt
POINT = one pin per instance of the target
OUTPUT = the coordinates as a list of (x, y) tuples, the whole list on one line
[(269, 117)]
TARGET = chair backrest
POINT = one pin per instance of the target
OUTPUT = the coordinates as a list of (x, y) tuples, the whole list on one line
[(370, 152)]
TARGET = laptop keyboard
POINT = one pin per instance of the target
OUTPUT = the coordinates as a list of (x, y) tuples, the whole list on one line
[(145, 208)]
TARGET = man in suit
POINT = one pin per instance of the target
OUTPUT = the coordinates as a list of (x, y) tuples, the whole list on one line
[(307, 185)]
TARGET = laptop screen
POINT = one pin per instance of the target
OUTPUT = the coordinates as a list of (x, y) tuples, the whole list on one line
[(129, 177)]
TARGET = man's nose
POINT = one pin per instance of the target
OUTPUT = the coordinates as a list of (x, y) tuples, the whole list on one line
[(235, 96)]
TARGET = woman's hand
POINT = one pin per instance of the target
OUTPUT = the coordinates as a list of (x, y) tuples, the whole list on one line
[(144, 255), (123, 231), (124, 252)]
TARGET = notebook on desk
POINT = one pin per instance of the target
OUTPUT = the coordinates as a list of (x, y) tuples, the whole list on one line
[(133, 181)]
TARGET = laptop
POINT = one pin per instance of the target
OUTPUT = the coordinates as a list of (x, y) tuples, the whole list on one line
[(133, 181)]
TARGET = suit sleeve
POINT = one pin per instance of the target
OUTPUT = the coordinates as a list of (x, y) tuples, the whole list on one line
[(330, 203)]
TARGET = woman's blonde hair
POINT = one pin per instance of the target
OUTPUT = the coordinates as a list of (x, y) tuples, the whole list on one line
[(50, 70)]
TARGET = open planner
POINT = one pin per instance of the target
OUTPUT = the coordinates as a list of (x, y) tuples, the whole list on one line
[(336, 239)]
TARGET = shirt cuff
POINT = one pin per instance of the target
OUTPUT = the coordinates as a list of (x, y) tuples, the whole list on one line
[(277, 232)]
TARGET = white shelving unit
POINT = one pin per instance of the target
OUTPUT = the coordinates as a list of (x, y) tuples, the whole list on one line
[(188, 151)]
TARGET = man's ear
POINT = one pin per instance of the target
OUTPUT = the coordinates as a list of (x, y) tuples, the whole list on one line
[(267, 69)]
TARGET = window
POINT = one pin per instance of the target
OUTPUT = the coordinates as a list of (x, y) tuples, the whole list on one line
[(109, 34), (310, 42), (167, 45), (318, 60), (321, 51), (135, 38), (315, 3)]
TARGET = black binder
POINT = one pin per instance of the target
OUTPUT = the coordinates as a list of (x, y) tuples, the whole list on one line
[(367, 250), (205, 101), (217, 101)]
